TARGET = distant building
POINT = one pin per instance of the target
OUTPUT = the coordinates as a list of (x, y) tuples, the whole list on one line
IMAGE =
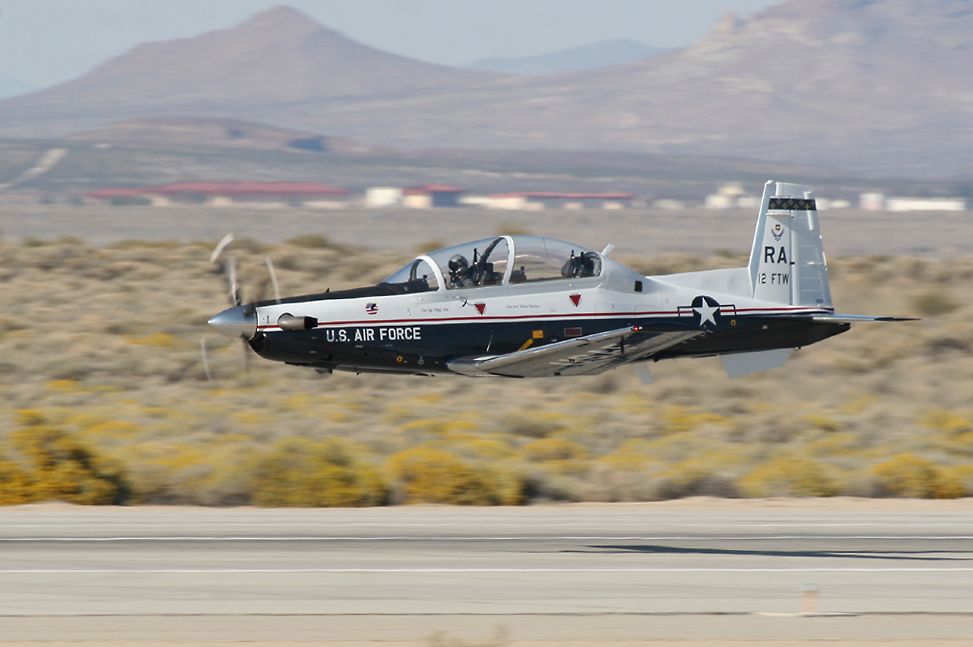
[(731, 196), (266, 194), (383, 196), (871, 201), (828, 204), (667, 204), (431, 196), (925, 204), (539, 200)]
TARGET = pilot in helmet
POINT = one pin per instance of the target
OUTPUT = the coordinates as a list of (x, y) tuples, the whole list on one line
[(459, 272)]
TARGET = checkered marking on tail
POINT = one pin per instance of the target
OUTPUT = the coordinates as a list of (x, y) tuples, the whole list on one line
[(792, 204)]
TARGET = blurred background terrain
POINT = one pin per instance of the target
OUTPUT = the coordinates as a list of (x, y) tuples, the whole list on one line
[(340, 160), (106, 397)]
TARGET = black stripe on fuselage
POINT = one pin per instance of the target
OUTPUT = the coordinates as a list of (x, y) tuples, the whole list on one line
[(379, 290), (418, 348)]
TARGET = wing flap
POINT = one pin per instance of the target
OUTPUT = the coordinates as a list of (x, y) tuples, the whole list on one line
[(586, 355)]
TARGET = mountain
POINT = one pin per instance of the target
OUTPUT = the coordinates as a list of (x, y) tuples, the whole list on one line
[(10, 87), (604, 53), (878, 87), (277, 58)]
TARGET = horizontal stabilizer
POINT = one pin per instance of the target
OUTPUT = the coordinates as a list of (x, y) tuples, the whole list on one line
[(837, 317)]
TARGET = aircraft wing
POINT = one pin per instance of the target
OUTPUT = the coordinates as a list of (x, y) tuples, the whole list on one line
[(585, 355)]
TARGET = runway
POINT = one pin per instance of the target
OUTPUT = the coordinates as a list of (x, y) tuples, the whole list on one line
[(702, 570)]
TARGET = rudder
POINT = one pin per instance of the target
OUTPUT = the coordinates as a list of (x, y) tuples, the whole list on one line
[(787, 262)]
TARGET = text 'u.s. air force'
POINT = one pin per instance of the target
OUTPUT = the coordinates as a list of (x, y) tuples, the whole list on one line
[(397, 333)]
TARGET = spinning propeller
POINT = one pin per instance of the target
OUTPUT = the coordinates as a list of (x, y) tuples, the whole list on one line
[(238, 320)]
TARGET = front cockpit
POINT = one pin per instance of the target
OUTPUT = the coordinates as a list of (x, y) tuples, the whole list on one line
[(502, 260)]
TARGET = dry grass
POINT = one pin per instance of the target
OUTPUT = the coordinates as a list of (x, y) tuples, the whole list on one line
[(99, 346)]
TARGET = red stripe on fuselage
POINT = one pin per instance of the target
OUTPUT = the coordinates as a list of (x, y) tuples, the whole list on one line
[(564, 315)]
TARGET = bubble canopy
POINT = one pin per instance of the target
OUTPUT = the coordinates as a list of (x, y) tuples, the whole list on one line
[(500, 260)]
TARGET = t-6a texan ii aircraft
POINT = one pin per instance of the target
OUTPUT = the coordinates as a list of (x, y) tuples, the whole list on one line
[(525, 306)]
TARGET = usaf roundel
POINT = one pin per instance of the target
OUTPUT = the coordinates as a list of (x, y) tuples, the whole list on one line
[(707, 308)]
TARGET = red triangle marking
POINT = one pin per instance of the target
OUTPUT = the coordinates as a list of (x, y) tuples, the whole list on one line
[(480, 307), (575, 299)]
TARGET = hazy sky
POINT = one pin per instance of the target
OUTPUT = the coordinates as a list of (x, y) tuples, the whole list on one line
[(47, 41)]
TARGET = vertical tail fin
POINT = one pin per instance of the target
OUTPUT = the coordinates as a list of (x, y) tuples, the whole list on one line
[(787, 262)]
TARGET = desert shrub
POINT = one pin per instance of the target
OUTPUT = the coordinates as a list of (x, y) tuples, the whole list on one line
[(536, 424), (429, 475), (63, 386), (695, 484), (155, 340), (606, 482), (554, 449), (821, 421), (16, 485), (788, 476), (960, 474), (701, 474), (839, 443), (908, 475), (604, 384), (310, 241), (541, 485), (60, 467), (631, 456), (948, 345), (488, 448), (677, 419), (31, 417), (439, 426), (932, 304), (857, 405), (302, 472), (949, 422), (509, 487), (177, 473)]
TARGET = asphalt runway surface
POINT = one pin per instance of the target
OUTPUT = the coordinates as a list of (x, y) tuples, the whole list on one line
[(704, 571)]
